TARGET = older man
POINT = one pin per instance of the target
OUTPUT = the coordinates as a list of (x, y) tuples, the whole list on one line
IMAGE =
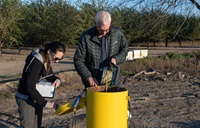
[(98, 47)]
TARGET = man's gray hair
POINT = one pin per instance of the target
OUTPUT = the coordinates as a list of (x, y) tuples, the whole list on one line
[(102, 18)]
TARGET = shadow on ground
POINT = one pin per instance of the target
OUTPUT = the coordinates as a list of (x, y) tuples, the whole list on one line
[(8, 120), (192, 124)]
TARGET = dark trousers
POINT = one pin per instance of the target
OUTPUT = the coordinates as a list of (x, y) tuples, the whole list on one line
[(30, 113)]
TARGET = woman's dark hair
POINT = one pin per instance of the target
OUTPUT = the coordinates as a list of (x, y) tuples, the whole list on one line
[(54, 47)]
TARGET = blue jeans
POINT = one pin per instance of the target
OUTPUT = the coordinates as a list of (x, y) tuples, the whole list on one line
[(30, 113)]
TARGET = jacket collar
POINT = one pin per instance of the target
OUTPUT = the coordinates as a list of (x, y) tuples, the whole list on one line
[(95, 35)]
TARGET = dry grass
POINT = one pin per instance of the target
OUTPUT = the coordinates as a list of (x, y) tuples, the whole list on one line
[(70, 80), (170, 44), (170, 62), (8, 90)]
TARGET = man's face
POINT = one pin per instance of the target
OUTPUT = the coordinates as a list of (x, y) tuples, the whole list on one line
[(103, 29)]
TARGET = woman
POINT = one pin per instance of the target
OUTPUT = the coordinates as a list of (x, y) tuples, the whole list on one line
[(37, 66)]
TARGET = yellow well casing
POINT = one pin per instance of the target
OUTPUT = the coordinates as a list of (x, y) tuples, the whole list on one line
[(106, 109)]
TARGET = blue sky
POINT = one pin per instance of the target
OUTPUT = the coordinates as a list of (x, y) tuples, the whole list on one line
[(181, 9), (184, 8)]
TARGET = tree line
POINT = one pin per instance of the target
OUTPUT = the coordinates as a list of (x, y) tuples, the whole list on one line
[(37, 22)]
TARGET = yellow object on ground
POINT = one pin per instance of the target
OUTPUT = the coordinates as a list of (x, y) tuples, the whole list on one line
[(68, 107), (106, 109)]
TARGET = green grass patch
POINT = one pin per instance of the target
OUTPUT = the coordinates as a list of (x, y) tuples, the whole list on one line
[(5, 76), (10, 76)]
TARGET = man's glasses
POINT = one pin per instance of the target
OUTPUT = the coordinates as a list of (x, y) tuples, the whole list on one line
[(56, 58)]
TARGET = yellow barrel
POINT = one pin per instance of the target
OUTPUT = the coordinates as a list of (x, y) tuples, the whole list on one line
[(106, 107)]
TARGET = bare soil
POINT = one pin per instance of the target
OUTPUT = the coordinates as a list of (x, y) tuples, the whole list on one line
[(158, 100)]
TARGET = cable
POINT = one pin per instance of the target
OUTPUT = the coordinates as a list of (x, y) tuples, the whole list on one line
[(74, 118), (76, 102)]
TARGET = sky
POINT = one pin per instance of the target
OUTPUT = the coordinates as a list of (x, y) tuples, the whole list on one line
[(181, 9), (184, 8)]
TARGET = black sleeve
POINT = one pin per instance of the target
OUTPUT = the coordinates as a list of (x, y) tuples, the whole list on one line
[(53, 77), (33, 75)]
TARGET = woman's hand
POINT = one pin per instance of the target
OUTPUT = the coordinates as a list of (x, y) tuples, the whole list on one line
[(49, 105), (52, 105), (56, 83)]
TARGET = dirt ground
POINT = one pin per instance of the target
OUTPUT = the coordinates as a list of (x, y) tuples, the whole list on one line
[(158, 99)]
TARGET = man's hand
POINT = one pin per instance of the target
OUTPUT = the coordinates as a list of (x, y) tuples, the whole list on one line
[(113, 60), (93, 81)]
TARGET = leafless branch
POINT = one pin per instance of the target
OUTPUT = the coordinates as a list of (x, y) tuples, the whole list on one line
[(196, 4)]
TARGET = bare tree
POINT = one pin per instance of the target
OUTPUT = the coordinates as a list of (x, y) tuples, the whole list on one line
[(157, 12)]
